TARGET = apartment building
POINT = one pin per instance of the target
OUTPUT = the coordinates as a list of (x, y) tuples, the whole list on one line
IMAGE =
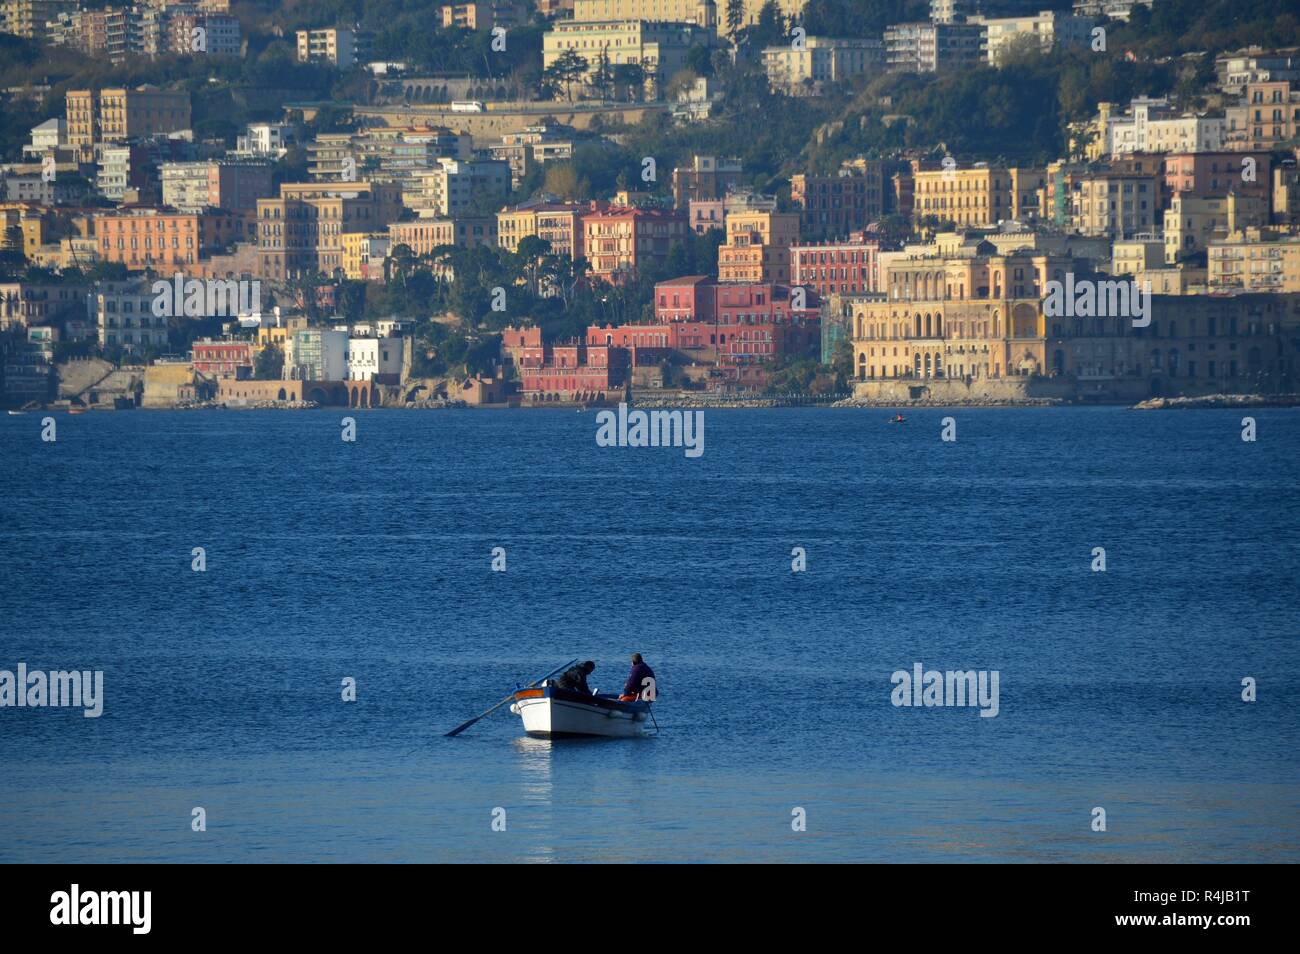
[(341, 48), (837, 268), (622, 241), (558, 223), (1192, 223), (1268, 114), (818, 62), (29, 18), (424, 236), (198, 32), (1049, 28), (1255, 260), (454, 186), (933, 47), (483, 16), (301, 230), (1114, 204), (658, 47), (757, 247), (705, 13), (124, 318), (978, 196), (115, 115), (141, 237), (834, 205), (706, 179), (1151, 125), (215, 184)]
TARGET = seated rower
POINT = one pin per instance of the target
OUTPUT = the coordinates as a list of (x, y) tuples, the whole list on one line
[(636, 686)]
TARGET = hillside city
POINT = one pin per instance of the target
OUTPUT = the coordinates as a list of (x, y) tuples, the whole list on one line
[(420, 203)]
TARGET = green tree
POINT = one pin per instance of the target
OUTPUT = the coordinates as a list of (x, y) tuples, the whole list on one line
[(269, 364)]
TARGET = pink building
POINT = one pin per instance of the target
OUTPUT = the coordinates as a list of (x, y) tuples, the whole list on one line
[(844, 268), (223, 359), (620, 241)]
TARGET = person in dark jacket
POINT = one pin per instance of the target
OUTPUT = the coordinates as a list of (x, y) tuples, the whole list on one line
[(575, 679), (636, 687)]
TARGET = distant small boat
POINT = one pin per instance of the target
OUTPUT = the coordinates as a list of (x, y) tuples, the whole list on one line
[(550, 712), (77, 410), (16, 413)]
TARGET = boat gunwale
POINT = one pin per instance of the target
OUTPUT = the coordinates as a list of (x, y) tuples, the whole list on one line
[(591, 702)]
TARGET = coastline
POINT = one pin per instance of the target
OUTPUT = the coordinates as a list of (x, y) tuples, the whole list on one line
[(684, 402)]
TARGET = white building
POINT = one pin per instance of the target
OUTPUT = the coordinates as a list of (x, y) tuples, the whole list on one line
[(1050, 27), (452, 187), (114, 172), (265, 139), (369, 358), (1152, 126), (49, 136), (124, 317)]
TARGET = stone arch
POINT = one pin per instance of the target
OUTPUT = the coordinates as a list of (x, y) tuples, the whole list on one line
[(281, 396)]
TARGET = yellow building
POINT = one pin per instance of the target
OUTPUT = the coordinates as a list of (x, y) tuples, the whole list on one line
[(301, 231), (483, 16), (659, 48), (819, 61), (757, 248), (24, 228), (364, 254), (558, 223), (679, 11), (1261, 260), (1118, 204), (115, 115), (1192, 223), (979, 196), (1136, 255), (279, 335), (424, 236), (28, 18), (977, 316)]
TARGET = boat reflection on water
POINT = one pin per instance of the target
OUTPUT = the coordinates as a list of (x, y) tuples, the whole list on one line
[(533, 756)]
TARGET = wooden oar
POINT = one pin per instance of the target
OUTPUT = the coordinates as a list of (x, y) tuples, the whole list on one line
[(465, 725)]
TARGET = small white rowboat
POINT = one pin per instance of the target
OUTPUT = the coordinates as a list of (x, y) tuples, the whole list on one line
[(550, 713)]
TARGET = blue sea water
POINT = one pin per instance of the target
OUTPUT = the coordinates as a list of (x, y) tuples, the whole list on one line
[(372, 560)]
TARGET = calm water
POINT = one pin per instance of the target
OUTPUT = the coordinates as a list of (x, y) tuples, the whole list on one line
[(372, 560)]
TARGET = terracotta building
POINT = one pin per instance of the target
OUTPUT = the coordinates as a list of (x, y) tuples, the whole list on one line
[(144, 237), (619, 242)]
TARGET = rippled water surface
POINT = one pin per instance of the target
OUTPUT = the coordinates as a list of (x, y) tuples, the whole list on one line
[(326, 560)]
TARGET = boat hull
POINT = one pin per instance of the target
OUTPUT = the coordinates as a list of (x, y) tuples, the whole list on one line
[(556, 713)]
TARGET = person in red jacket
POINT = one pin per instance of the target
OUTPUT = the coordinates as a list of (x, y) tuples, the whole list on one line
[(636, 686)]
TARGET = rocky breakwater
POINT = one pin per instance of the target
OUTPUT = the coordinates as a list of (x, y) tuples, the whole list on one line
[(1218, 401)]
